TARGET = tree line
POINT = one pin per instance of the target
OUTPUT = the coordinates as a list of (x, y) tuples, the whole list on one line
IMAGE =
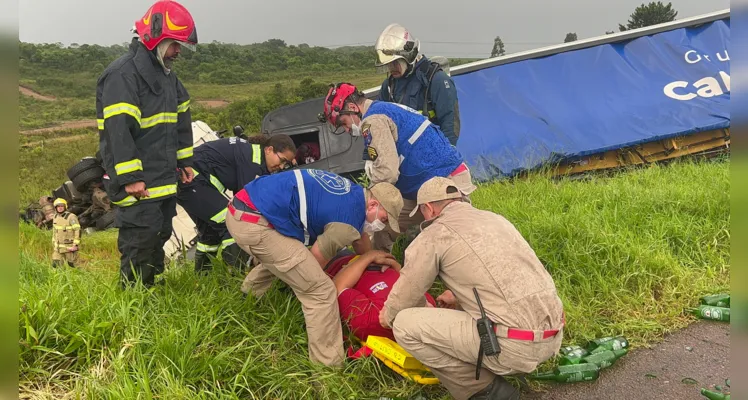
[(217, 63)]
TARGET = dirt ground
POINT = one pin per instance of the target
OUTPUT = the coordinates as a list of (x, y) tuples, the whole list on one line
[(31, 93), (86, 123), (213, 103)]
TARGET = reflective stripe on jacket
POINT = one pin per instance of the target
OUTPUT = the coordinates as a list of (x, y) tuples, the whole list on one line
[(145, 126)]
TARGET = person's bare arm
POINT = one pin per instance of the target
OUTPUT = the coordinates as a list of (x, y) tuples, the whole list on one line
[(350, 274), (336, 236), (362, 245)]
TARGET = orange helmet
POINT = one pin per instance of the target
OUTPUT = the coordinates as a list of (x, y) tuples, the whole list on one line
[(167, 19)]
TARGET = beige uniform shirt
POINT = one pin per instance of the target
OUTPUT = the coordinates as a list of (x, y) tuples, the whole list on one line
[(67, 232), (470, 248), (380, 134), (336, 236)]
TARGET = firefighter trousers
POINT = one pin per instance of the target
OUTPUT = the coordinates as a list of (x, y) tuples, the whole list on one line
[(144, 228), (206, 207)]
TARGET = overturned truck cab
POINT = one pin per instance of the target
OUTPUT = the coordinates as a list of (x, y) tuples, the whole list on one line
[(318, 147)]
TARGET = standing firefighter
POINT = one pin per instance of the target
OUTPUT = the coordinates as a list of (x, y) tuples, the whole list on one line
[(416, 81), (402, 147), (221, 165), (146, 137), (66, 235), (473, 251)]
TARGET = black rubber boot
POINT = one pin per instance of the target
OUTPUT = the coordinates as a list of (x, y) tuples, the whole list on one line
[(499, 389), (203, 264), (235, 258)]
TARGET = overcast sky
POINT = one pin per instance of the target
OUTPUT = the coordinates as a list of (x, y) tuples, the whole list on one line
[(464, 29)]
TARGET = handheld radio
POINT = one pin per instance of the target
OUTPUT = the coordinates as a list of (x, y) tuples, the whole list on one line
[(489, 344)]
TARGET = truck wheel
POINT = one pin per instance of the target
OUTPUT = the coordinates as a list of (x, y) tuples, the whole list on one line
[(81, 180), (105, 221), (82, 165)]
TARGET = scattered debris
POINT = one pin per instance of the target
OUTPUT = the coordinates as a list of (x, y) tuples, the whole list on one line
[(717, 300), (714, 395), (711, 312)]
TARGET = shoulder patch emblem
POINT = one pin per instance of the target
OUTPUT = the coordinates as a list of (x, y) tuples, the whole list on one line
[(446, 84), (366, 133), (372, 152)]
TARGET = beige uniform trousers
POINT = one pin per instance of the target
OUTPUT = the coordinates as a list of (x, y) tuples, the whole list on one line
[(384, 239), (447, 342), (290, 261), (70, 256)]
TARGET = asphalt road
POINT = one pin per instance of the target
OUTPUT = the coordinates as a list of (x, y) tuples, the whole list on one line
[(700, 352)]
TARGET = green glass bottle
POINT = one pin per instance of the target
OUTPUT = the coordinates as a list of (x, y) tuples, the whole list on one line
[(717, 300), (572, 355), (605, 359), (570, 373), (607, 343), (710, 312), (714, 395)]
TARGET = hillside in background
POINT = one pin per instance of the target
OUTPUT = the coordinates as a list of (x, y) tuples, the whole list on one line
[(230, 83), (72, 70)]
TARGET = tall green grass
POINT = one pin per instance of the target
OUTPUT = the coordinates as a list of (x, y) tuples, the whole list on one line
[(627, 253), (42, 168)]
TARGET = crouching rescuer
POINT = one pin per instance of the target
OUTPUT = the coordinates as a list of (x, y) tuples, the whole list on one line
[(221, 165), (482, 259), (276, 216), (66, 235)]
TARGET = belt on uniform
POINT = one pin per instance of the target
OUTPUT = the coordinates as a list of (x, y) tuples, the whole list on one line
[(246, 213), (526, 334), (461, 168)]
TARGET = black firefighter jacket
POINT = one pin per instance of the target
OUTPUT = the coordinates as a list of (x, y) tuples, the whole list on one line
[(145, 126)]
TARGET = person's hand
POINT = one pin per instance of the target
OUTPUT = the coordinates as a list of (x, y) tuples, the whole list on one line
[(74, 248), (447, 300), (137, 189), (385, 259), (383, 319), (187, 174)]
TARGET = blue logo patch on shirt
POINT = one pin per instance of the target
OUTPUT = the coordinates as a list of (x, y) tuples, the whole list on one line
[(332, 183)]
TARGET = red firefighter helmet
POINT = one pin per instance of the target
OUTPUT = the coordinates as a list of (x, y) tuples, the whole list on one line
[(167, 19), (335, 102)]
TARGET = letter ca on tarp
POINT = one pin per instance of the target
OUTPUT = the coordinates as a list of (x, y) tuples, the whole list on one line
[(708, 86)]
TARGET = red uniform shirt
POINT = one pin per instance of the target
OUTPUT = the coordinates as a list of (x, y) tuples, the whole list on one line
[(360, 305)]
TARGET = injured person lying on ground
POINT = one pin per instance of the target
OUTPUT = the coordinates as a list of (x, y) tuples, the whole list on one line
[(363, 283)]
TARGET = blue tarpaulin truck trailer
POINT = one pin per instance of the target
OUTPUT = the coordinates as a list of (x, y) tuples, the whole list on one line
[(632, 97)]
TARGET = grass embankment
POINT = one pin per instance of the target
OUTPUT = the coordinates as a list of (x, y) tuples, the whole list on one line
[(43, 166), (627, 254)]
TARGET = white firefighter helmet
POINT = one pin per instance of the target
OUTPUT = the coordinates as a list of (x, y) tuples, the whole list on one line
[(395, 43)]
